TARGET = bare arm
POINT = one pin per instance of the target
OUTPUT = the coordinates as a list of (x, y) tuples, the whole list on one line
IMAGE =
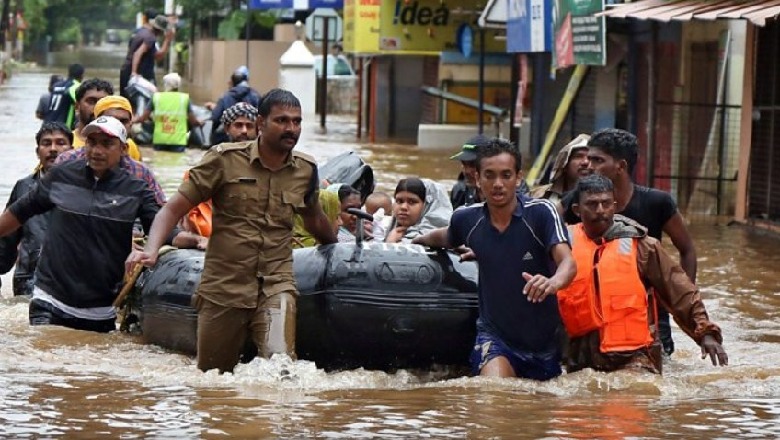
[(316, 222), (676, 230), (137, 59), (437, 238), (143, 117), (163, 224), (538, 287), (160, 54)]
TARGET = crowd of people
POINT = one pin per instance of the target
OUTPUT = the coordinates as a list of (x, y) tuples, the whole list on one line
[(571, 273)]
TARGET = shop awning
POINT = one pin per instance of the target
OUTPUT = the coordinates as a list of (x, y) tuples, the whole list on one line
[(756, 11)]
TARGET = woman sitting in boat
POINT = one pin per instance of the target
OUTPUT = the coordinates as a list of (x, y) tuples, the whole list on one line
[(330, 204), (349, 197), (421, 205)]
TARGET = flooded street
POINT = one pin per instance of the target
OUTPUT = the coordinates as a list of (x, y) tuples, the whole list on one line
[(56, 382)]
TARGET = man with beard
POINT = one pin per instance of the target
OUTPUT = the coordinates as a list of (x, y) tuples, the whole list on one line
[(247, 289), (87, 95), (25, 243), (524, 258), (240, 122), (93, 205), (570, 165), (240, 91), (605, 309)]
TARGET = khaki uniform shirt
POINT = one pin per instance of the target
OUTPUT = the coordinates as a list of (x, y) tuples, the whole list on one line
[(250, 249)]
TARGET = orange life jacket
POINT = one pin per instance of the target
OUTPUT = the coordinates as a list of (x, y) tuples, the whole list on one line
[(607, 294)]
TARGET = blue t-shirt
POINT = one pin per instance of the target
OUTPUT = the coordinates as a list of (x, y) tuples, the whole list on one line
[(502, 257)]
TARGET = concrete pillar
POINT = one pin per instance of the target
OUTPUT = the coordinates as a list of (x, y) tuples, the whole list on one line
[(296, 74)]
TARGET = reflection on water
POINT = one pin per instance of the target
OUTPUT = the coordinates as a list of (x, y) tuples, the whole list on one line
[(57, 382)]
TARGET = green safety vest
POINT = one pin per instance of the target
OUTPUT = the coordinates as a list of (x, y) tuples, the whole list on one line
[(170, 118), (71, 119)]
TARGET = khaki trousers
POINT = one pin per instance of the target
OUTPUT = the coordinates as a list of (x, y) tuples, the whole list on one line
[(223, 331)]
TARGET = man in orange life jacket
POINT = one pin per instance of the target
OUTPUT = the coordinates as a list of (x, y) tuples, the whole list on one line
[(605, 309)]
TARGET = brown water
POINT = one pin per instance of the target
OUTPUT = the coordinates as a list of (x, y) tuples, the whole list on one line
[(56, 382)]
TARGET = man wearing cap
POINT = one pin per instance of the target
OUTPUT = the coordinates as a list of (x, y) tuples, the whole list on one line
[(239, 92), (465, 191), (93, 204), (240, 122), (247, 290), (53, 138), (172, 118), (117, 107), (571, 164), (142, 51)]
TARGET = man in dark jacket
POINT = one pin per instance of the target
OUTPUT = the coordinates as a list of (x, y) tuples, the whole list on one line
[(26, 242), (239, 92), (93, 204)]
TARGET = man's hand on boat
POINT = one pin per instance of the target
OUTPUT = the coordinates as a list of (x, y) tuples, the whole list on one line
[(183, 240), (438, 239)]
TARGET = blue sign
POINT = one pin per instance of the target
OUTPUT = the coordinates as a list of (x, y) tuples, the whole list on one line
[(529, 26), (295, 4), (465, 39)]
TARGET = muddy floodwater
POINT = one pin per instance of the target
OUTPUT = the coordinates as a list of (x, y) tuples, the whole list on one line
[(56, 382)]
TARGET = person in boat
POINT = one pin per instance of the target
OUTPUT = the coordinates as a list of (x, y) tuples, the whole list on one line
[(349, 198), (247, 289), (571, 164), (613, 153), (26, 242), (605, 309), (522, 250), (239, 92), (421, 205), (93, 205), (332, 209), (173, 116), (240, 122), (380, 206), (87, 95)]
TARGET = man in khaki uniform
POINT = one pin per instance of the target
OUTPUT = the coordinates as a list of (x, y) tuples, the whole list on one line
[(247, 287)]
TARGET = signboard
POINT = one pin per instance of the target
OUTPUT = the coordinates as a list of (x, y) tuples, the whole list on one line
[(315, 25), (361, 26), (579, 36), (427, 26), (529, 26), (295, 4)]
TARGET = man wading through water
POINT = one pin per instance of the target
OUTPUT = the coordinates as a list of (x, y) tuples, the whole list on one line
[(247, 288)]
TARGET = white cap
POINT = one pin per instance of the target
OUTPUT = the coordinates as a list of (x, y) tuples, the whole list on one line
[(108, 125), (171, 81)]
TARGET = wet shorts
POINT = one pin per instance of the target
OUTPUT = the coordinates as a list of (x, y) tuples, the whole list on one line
[(538, 366)]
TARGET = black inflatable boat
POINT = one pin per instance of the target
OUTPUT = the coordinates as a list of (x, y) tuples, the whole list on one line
[(372, 305)]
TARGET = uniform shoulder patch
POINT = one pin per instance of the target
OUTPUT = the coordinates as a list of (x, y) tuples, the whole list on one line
[(304, 156), (231, 146)]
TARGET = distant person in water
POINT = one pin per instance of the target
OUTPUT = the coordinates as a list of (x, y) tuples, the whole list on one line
[(43, 110)]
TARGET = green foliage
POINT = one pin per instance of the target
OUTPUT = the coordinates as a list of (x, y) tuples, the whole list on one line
[(232, 27)]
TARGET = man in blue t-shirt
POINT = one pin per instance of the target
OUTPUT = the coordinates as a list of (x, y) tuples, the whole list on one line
[(524, 258)]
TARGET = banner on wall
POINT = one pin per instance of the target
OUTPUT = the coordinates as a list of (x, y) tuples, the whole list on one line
[(361, 26), (579, 36), (529, 26), (428, 26)]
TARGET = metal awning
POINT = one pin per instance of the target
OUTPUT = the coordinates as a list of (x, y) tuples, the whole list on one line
[(494, 15), (755, 11)]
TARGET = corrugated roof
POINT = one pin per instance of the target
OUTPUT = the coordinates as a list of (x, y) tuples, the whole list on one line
[(756, 11)]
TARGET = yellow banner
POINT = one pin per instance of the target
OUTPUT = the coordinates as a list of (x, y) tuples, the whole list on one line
[(430, 26), (361, 26)]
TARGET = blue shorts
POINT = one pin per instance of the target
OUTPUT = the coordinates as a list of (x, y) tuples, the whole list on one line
[(538, 366)]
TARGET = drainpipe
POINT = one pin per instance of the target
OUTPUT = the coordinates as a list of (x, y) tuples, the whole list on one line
[(652, 82)]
